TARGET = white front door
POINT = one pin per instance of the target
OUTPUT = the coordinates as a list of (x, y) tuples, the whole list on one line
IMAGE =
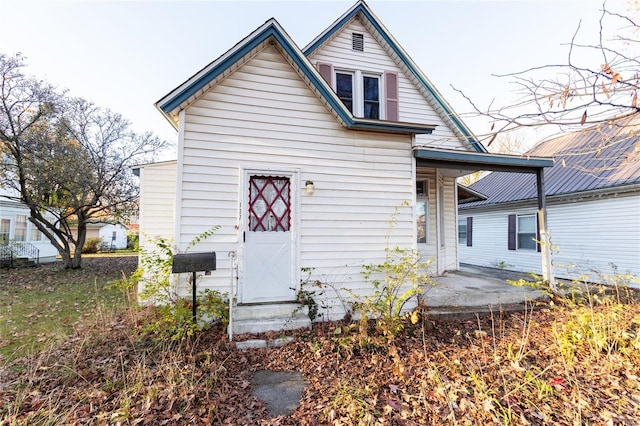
[(268, 252)]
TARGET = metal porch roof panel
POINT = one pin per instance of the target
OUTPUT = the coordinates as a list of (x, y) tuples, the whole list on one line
[(600, 157)]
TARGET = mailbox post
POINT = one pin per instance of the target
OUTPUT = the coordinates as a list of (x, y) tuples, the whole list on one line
[(193, 262)]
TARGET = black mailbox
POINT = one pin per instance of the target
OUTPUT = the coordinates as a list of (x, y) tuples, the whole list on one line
[(193, 262)]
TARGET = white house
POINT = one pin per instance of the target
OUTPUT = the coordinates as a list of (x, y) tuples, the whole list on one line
[(113, 236), (19, 238), (302, 157), (593, 205)]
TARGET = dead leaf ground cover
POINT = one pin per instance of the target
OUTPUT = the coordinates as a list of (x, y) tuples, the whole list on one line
[(569, 364)]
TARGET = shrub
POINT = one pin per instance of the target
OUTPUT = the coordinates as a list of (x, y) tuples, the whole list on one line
[(401, 277), (174, 313), (133, 241), (91, 245)]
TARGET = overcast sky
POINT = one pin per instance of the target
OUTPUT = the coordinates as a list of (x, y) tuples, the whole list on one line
[(127, 55)]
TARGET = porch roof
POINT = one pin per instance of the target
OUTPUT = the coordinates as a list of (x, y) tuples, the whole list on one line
[(468, 162)]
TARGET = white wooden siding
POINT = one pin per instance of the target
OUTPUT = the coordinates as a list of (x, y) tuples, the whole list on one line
[(450, 225), (157, 202), (11, 209), (413, 106), (590, 235), (272, 120)]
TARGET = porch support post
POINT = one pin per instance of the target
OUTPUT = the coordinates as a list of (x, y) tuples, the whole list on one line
[(545, 236)]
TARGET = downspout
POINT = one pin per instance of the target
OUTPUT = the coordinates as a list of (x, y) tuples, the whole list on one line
[(232, 293), (545, 236)]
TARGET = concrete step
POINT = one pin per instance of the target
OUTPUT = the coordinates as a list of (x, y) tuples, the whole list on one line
[(267, 310), (19, 262), (261, 318)]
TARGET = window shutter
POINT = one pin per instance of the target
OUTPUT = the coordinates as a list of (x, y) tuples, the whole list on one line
[(391, 93), (538, 247), (326, 71), (512, 232), (469, 231)]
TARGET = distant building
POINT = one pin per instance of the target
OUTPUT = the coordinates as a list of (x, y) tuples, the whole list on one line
[(593, 207)]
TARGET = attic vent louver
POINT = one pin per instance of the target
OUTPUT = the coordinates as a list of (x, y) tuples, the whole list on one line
[(357, 41)]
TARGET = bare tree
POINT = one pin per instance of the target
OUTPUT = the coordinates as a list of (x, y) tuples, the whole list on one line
[(511, 142), (69, 160), (576, 94)]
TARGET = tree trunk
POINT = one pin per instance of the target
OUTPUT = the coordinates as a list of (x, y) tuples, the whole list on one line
[(75, 258), (76, 262)]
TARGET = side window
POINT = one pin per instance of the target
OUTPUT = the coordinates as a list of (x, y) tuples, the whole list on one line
[(5, 227), (526, 231), (462, 231), (422, 212), (34, 233), (20, 233)]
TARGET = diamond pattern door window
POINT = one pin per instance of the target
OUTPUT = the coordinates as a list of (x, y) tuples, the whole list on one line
[(269, 204)]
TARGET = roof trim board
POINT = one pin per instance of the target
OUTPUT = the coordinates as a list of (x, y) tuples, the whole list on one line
[(433, 157), (272, 30), (361, 7)]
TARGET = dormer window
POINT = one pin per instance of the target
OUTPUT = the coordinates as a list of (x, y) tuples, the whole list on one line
[(365, 94), (357, 42), (344, 89), (359, 92), (371, 93)]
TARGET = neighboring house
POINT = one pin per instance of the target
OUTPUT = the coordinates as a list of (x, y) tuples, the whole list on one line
[(113, 236), (19, 238), (593, 204), (302, 157)]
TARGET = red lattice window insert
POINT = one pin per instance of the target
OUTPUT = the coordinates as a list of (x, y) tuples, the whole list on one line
[(269, 204)]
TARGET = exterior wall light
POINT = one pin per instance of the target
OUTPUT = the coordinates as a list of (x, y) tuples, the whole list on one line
[(308, 186)]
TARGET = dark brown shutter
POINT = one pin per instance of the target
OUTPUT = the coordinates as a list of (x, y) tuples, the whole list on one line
[(512, 232), (469, 231), (391, 92), (326, 71), (538, 247)]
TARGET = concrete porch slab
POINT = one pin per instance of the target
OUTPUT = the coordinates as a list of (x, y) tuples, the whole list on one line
[(477, 289)]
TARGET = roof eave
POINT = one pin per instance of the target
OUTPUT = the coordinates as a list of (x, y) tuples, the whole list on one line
[(480, 161), (391, 126)]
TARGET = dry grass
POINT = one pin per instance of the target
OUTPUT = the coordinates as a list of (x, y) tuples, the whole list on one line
[(567, 363)]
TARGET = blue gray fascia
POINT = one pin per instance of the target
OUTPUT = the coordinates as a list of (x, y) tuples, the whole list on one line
[(433, 157), (272, 30)]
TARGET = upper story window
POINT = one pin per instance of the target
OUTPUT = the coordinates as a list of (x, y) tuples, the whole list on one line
[(344, 89), (365, 94), (371, 95), (359, 92)]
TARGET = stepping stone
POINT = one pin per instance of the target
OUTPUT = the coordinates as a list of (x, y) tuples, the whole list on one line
[(279, 390)]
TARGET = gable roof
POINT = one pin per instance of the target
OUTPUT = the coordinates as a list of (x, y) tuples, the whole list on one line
[(410, 68), (598, 158), (271, 32)]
